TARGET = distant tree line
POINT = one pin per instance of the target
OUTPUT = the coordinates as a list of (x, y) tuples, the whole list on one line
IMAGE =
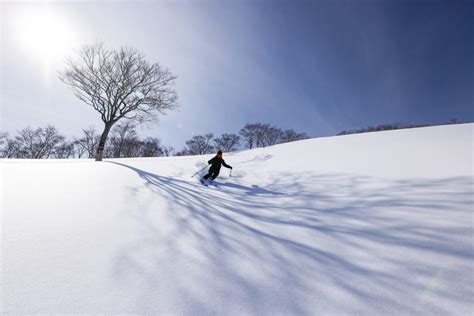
[(47, 142), (123, 142), (252, 135), (388, 127), (37, 143)]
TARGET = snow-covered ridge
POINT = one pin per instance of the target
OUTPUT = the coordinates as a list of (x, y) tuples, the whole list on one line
[(370, 223)]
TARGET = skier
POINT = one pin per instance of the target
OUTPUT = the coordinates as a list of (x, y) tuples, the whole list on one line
[(215, 163)]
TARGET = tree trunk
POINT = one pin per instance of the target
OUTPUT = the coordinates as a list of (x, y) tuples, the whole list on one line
[(103, 139)]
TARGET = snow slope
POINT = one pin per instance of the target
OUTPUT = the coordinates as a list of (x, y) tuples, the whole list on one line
[(376, 224)]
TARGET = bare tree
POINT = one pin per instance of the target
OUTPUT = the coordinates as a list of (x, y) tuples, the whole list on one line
[(183, 152), (37, 143), (227, 142), (123, 135), (249, 134), (79, 150), (64, 150), (132, 147), (151, 147), (263, 134), (119, 84), (290, 135), (271, 135), (3, 142), (260, 134), (11, 149), (87, 143), (3, 138), (167, 151), (254, 134), (199, 145)]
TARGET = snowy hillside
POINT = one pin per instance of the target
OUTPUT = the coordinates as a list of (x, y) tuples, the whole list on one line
[(378, 223)]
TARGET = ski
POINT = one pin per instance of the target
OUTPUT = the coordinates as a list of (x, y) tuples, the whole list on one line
[(208, 183), (213, 184)]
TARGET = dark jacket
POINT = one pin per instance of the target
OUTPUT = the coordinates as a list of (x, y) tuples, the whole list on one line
[(216, 163)]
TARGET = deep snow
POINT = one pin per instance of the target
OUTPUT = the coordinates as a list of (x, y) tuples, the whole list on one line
[(378, 223)]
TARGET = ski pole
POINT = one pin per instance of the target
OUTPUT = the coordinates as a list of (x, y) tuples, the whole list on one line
[(230, 173), (199, 171)]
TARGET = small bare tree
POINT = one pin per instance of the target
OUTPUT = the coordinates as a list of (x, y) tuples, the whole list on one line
[(119, 84), (11, 149), (64, 150), (3, 142), (249, 134), (272, 135), (261, 135), (167, 151), (4, 145), (227, 142), (290, 135), (132, 148), (37, 143), (87, 143), (123, 139), (3, 138), (199, 145), (151, 147), (261, 132)]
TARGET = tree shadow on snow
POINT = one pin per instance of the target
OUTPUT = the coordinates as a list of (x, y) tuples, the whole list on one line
[(252, 190), (332, 243)]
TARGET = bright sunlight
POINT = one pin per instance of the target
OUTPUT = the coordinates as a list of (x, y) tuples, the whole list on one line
[(44, 33)]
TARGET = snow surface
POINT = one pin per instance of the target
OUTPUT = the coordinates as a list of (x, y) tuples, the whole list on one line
[(376, 224)]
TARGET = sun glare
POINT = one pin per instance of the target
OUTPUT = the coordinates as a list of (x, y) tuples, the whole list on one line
[(44, 33)]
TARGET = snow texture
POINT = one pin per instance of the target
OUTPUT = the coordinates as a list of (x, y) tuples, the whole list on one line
[(369, 224)]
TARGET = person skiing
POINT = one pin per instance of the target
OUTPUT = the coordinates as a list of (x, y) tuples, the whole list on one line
[(215, 163)]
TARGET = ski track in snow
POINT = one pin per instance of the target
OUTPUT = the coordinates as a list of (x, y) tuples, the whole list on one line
[(369, 224)]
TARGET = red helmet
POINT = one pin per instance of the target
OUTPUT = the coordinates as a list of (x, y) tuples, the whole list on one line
[(219, 154)]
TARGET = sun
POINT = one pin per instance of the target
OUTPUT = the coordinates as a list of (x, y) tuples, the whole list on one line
[(44, 33)]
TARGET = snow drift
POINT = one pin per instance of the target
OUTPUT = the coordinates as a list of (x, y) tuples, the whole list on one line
[(378, 223)]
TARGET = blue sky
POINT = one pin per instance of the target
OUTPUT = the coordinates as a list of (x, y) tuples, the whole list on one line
[(316, 66)]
